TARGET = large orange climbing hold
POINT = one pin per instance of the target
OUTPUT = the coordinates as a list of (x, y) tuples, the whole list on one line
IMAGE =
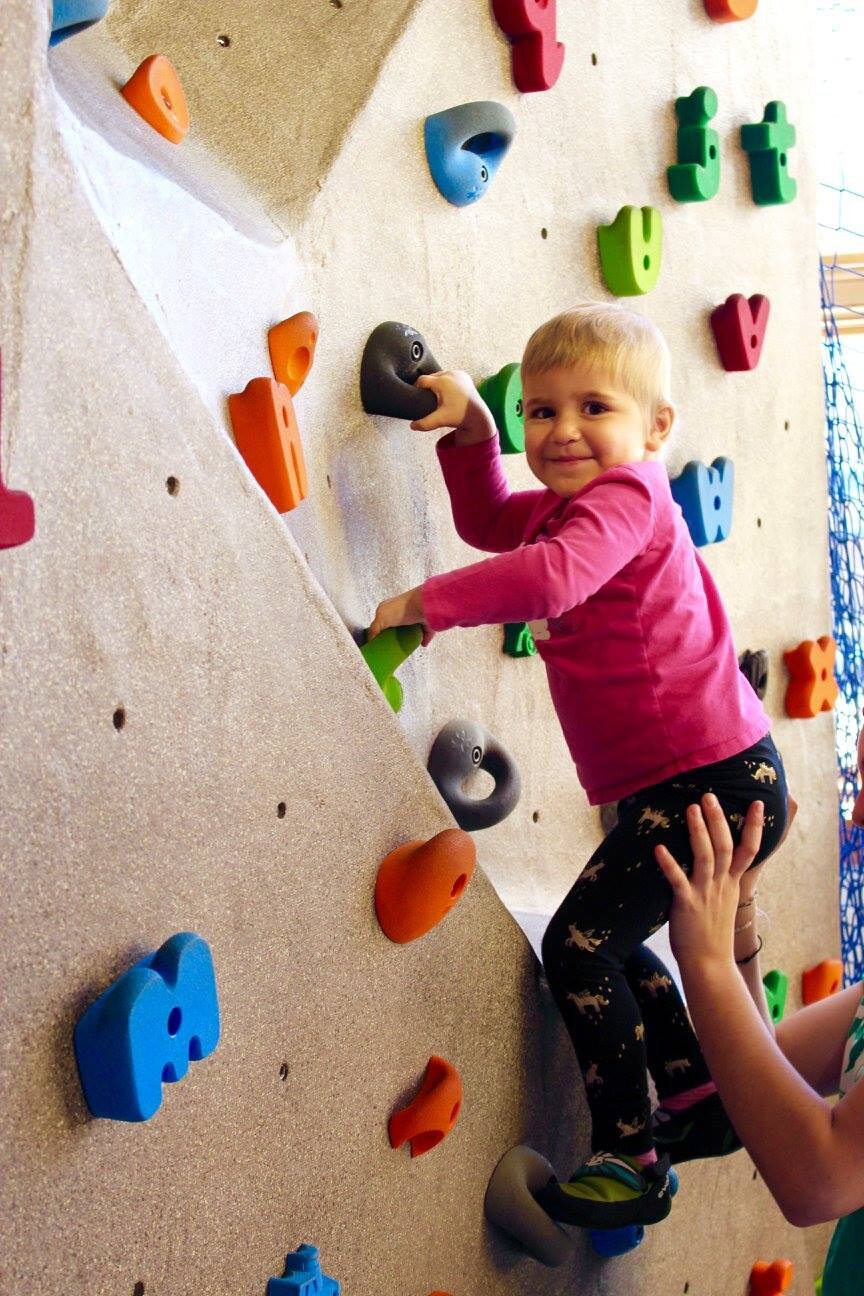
[(267, 436), (820, 981), (812, 687), (292, 349), (420, 882), (730, 10), (155, 92), (771, 1279), (432, 1114)]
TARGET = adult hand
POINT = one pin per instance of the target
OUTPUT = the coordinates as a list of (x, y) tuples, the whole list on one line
[(404, 609), (459, 406), (702, 920)]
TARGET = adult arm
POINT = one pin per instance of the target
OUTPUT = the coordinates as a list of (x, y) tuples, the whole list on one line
[(808, 1153)]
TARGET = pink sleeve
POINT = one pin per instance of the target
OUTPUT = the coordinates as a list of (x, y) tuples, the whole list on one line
[(608, 526), (486, 513)]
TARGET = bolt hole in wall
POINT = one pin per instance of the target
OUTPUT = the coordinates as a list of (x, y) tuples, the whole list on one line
[(284, 1071), (138, 1289), (544, 233), (172, 485), (224, 41), (593, 60), (119, 718), (758, 522), (281, 809), (536, 816)]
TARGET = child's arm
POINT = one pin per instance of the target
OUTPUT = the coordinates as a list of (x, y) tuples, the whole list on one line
[(486, 513), (808, 1153), (607, 528)]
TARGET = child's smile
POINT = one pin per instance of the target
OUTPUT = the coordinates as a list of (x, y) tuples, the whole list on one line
[(579, 423)]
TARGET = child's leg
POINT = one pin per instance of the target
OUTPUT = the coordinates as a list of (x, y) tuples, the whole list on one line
[(675, 1059)]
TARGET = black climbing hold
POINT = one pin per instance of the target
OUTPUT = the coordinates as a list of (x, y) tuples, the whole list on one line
[(394, 357), (461, 747)]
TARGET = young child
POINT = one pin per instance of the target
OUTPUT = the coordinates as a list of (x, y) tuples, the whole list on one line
[(645, 680)]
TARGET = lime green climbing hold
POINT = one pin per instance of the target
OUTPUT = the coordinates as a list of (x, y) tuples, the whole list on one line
[(503, 394), (767, 145), (776, 988), (696, 175), (817, 1286), (518, 640), (630, 250), (385, 654)]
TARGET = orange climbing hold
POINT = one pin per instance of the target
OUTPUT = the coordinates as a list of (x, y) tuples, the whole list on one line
[(267, 436), (771, 1279), (432, 1114), (820, 981), (812, 687), (420, 882), (730, 10), (292, 349), (155, 92)]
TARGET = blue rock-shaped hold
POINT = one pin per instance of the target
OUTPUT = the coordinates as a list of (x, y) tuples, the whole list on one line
[(303, 1276), (465, 146), (705, 498), (146, 1027), (69, 17)]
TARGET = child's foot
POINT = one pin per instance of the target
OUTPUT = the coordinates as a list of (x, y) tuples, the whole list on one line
[(610, 1191), (703, 1130)]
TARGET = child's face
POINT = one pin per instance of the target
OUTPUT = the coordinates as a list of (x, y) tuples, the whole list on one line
[(578, 423)]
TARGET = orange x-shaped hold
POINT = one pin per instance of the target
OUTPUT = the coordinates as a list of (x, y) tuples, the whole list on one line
[(432, 1114), (155, 92), (265, 429), (812, 687), (820, 981), (292, 349), (730, 10), (771, 1279)]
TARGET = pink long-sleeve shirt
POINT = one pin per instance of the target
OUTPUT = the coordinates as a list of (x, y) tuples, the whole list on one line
[(640, 657)]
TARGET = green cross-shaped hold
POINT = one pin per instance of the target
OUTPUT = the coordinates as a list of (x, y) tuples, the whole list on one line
[(767, 145)]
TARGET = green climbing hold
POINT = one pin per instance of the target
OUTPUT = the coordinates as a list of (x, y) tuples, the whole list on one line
[(503, 394), (385, 654), (696, 175), (630, 250), (767, 145), (776, 987), (518, 640)]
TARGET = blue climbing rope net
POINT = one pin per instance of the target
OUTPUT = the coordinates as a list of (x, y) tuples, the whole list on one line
[(845, 449)]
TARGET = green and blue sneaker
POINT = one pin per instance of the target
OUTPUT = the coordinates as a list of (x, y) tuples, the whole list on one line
[(610, 1191)]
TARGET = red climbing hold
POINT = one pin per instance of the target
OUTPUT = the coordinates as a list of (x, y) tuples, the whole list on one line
[(739, 330), (538, 55), (17, 512)]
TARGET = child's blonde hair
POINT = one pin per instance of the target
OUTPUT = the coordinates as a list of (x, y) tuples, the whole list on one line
[(625, 345)]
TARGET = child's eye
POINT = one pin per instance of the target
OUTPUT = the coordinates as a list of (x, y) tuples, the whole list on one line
[(595, 407), (542, 412)]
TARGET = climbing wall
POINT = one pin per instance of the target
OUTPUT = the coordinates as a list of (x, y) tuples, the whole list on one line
[(189, 737)]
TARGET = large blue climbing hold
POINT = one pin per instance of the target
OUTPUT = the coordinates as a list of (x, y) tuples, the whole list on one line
[(705, 497), (146, 1028), (69, 17), (303, 1276), (465, 146)]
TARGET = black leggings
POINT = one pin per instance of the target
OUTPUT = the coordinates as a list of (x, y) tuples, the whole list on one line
[(618, 1001)]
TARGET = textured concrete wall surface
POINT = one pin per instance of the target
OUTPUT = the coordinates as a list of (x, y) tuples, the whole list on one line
[(136, 287)]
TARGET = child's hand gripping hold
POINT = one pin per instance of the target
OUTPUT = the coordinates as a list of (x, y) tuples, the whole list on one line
[(404, 609), (460, 406)]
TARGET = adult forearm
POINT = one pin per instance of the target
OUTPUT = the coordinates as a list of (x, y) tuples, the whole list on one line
[(785, 1126), (747, 946)]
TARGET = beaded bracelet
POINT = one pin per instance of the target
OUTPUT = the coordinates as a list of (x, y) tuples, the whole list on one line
[(750, 957), (743, 926)]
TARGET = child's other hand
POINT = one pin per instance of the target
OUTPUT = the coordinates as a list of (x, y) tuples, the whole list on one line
[(703, 910), (459, 406), (404, 609)]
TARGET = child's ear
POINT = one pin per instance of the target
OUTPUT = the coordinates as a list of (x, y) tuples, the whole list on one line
[(661, 426)]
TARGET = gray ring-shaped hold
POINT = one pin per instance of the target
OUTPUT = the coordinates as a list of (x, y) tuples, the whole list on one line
[(509, 1204), (461, 747)]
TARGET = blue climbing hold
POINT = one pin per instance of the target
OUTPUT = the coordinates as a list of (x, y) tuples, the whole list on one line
[(303, 1276), (616, 1242), (147, 1027), (69, 17), (465, 146), (705, 497)]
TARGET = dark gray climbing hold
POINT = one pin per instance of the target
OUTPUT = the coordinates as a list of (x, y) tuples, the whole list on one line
[(754, 668), (509, 1203), (394, 357), (460, 748)]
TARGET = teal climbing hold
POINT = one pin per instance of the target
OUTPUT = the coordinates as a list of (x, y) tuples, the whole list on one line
[(503, 394), (385, 654), (630, 250), (518, 640), (69, 17), (695, 177), (776, 987), (767, 144), (704, 494)]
